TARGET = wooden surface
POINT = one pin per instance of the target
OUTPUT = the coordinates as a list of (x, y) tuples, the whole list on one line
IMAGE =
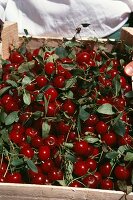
[(38, 192), (9, 37), (127, 35)]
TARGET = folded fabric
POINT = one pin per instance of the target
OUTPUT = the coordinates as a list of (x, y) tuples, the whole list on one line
[(60, 18)]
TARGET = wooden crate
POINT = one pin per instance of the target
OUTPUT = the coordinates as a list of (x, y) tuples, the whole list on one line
[(39, 192), (10, 37)]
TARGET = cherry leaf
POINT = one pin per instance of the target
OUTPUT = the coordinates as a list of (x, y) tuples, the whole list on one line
[(3, 90), (129, 94), (91, 139), (45, 129), (106, 109), (31, 165), (83, 114), (12, 83), (26, 80), (116, 84), (112, 155), (119, 127), (11, 118), (26, 66), (61, 52), (17, 162), (26, 98), (129, 156)]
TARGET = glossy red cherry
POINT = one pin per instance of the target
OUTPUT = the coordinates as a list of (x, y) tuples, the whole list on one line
[(80, 168), (101, 127), (51, 94), (90, 181), (81, 148), (121, 172), (107, 184), (44, 152)]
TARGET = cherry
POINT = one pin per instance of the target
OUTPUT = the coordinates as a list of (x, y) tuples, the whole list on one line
[(80, 168), (90, 181), (49, 68), (92, 120), (14, 177), (62, 128), (27, 151), (101, 127), (39, 178), (51, 94), (44, 152), (110, 138), (55, 174), (16, 57), (59, 81), (75, 184), (69, 107), (82, 58), (107, 184), (52, 109), (98, 177), (81, 148), (15, 136), (41, 81), (51, 141), (47, 165), (36, 141), (121, 172), (105, 169), (31, 132), (92, 164)]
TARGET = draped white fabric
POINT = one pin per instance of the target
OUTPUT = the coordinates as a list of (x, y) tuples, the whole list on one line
[(60, 18)]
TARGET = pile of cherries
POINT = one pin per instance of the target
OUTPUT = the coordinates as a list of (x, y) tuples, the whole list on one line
[(66, 117)]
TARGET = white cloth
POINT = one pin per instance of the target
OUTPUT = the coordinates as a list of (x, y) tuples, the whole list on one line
[(60, 18)]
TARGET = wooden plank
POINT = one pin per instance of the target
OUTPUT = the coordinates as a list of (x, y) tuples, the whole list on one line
[(9, 37), (47, 192), (127, 35)]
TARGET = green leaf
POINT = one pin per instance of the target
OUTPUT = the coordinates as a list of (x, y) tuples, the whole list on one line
[(112, 155), (122, 185), (116, 84), (61, 52), (62, 182), (26, 66), (11, 118), (77, 72), (119, 128), (1, 145), (129, 94), (12, 83), (122, 149), (91, 139), (78, 125), (3, 90), (31, 165), (26, 80), (3, 115), (4, 135), (106, 108), (26, 98), (37, 114), (52, 58), (129, 156), (83, 114), (17, 162), (70, 82), (45, 129)]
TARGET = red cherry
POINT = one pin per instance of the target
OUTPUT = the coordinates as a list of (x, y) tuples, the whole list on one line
[(27, 151), (110, 139), (55, 174), (31, 132), (14, 177), (69, 107), (121, 172), (90, 181), (51, 94), (16, 57), (80, 168), (92, 164), (47, 165), (81, 148), (49, 68), (41, 81), (75, 184), (44, 152), (101, 127), (107, 184), (15, 136), (39, 178), (105, 169), (82, 58), (92, 120), (59, 81), (51, 141)]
